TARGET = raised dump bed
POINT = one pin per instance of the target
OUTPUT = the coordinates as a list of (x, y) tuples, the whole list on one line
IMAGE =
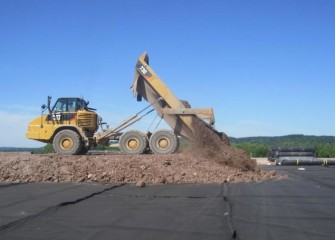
[(178, 114)]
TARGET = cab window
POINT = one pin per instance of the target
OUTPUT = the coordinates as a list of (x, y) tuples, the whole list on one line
[(65, 105)]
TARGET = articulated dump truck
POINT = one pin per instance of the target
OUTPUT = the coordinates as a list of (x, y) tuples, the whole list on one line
[(72, 127)]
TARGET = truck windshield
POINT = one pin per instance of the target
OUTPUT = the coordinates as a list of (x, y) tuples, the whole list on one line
[(66, 105)]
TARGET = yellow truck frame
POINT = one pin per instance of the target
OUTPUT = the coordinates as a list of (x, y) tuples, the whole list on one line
[(76, 132)]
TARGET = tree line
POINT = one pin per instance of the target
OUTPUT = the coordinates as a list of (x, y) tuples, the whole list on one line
[(259, 146)]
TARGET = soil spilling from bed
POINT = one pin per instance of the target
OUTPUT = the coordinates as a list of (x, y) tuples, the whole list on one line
[(215, 146)]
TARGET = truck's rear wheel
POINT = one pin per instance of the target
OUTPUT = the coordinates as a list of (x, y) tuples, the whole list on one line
[(67, 142), (133, 142), (163, 142)]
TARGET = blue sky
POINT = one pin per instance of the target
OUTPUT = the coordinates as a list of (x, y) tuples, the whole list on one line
[(266, 67)]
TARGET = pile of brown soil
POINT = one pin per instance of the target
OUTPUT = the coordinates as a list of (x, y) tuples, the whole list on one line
[(213, 145), (112, 168)]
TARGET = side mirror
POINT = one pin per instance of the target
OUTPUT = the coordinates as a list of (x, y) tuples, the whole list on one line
[(43, 107)]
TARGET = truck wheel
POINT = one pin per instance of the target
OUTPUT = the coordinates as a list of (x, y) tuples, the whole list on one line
[(67, 142), (163, 142), (133, 142)]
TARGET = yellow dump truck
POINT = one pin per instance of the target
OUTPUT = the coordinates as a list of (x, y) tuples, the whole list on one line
[(72, 127)]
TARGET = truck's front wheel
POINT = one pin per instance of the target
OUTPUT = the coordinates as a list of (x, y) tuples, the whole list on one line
[(67, 142)]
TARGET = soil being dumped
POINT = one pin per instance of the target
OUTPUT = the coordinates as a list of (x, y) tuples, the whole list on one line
[(215, 146), (209, 160)]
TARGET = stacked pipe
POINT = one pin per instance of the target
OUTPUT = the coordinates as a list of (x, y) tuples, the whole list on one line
[(296, 156), (315, 161), (279, 152)]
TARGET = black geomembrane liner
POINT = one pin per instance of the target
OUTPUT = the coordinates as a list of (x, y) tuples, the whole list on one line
[(299, 206)]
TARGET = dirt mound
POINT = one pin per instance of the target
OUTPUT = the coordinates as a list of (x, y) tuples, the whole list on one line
[(213, 145), (112, 168)]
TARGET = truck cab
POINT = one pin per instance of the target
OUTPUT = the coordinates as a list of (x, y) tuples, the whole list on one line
[(69, 125)]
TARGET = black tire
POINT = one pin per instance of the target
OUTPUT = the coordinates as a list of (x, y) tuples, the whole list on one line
[(163, 142), (133, 142), (67, 142), (83, 149)]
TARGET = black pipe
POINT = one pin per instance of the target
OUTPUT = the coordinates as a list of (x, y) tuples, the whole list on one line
[(307, 162)]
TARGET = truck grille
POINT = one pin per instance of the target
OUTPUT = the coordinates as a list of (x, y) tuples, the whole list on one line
[(87, 120)]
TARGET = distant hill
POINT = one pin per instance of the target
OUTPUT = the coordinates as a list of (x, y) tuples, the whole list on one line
[(286, 141), (17, 149), (259, 146)]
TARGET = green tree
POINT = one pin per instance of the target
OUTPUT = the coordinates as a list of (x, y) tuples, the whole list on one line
[(48, 148)]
